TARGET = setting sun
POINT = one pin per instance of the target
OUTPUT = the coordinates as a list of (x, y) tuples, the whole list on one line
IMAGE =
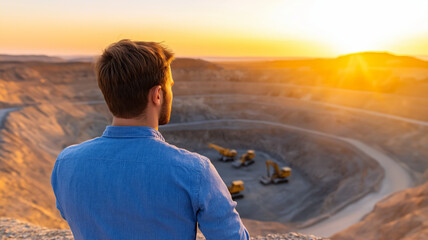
[(277, 28), (351, 26)]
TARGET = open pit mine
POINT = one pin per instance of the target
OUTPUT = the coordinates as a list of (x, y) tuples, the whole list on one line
[(305, 152)]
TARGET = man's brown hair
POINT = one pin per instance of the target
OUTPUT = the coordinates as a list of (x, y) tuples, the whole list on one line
[(127, 70)]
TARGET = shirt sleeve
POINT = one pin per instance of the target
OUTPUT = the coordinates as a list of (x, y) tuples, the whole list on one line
[(54, 177), (217, 216), (59, 209)]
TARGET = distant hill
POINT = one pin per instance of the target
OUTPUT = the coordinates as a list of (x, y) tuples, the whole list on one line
[(193, 64), (72, 70), (363, 71), (371, 59), (382, 59), (29, 58), (89, 59)]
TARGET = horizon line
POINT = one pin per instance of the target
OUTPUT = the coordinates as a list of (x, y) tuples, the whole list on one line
[(218, 58)]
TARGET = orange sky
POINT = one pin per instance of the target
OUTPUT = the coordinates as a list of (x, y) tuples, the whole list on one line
[(309, 28)]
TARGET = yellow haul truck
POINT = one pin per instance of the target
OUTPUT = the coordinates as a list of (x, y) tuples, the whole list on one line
[(236, 188)]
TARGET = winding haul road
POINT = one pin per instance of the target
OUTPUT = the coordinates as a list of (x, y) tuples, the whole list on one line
[(396, 178)]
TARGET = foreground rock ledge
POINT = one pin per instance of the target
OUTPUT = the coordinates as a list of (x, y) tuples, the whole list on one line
[(15, 229)]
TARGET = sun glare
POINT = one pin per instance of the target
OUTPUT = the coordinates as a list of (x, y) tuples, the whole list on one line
[(349, 26), (274, 28), (353, 27)]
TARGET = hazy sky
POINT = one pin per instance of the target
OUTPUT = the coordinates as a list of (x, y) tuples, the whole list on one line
[(217, 28)]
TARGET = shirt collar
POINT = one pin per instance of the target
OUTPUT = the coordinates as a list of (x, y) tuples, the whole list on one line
[(132, 132)]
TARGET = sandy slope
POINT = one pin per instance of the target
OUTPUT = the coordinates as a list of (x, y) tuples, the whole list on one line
[(401, 216)]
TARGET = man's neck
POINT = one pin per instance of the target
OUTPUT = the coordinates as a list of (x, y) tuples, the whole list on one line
[(153, 123)]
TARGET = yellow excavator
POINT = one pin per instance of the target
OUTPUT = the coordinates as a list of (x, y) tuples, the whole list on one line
[(245, 160), (226, 154), (278, 176), (236, 188)]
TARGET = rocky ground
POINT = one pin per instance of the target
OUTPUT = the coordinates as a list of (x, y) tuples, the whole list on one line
[(15, 229)]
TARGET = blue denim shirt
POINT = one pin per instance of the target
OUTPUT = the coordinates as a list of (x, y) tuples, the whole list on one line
[(130, 184)]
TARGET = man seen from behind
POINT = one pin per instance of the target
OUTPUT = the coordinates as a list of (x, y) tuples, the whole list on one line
[(129, 183)]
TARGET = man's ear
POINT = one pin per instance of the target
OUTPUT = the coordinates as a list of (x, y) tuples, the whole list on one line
[(156, 95)]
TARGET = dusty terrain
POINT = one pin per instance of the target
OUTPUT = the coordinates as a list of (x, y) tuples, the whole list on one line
[(58, 104), (401, 216)]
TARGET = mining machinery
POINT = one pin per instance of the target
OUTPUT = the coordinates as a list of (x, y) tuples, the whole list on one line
[(245, 160), (236, 188), (278, 176), (226, 154)]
